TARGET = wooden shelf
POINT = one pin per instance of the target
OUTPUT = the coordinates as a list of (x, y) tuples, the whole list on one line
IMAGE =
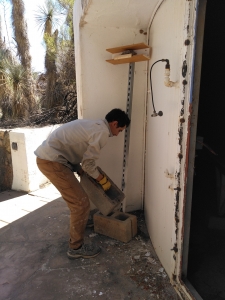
[(132, 59), (128, 47), (142, 54)]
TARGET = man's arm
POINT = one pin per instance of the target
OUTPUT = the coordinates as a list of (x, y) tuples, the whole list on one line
[(96, 142)]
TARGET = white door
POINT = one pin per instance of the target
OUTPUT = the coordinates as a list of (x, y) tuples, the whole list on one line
[(172, 35)]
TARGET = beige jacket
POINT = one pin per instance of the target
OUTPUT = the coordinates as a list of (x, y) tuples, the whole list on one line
[(76, 142)]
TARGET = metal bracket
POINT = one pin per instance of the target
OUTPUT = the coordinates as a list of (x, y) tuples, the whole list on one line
[(127, 131)]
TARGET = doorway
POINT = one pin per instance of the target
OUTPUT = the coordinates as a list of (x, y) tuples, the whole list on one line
[(206, 257)]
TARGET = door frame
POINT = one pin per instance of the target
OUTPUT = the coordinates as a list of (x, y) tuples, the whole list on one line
[(194, 104)]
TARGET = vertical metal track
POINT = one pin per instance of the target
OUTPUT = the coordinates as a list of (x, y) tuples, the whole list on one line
[(127, 131)]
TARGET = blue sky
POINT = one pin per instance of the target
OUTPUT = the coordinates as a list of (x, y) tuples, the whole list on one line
[(35, 35)]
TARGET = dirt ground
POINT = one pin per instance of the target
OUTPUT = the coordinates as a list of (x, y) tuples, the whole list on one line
[(143, 266)]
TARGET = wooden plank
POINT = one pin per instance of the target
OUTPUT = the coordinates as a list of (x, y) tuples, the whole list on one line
[(128, 47), (134, 58)]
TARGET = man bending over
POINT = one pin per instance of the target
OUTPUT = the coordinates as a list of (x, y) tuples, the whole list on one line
[(75, 147)]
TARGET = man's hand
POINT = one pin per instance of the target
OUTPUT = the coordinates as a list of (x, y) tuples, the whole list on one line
[(105, 183)]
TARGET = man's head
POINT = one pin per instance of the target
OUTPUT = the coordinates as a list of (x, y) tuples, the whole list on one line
[(118, 120)]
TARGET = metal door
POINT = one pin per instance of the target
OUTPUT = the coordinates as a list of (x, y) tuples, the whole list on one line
[(172, 35)]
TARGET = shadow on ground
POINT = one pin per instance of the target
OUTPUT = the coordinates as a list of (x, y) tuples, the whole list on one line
[(34, 264)]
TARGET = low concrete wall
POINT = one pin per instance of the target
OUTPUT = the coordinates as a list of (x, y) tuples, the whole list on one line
[(6, 170), (18, 169), (24, 141)]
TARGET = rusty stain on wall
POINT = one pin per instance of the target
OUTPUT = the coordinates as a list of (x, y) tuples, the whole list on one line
[(179, 284), (178, 173)]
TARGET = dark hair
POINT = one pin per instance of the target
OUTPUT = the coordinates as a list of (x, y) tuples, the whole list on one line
[(118, 115)]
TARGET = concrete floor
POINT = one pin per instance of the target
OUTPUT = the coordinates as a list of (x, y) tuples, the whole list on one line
[(33, 244)]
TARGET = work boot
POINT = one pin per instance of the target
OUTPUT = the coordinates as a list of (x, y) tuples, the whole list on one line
[(85, 251)]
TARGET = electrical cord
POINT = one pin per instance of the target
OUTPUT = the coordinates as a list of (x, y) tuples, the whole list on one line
[(160, 113)]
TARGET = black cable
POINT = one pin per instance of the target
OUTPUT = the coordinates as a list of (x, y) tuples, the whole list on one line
[(167, 67)]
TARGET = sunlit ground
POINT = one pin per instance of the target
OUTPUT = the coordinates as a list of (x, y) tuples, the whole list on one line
[(14, 205)]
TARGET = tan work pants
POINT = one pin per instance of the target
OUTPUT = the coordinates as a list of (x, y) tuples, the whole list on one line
[(74, 195)]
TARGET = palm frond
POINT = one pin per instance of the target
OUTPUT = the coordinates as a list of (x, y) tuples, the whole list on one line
[(13, 100), (15, 75), (47, 16)]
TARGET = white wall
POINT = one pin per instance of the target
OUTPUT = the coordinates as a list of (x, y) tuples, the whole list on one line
[(167, 137), (102, 86), (166, 40), (26, 175)]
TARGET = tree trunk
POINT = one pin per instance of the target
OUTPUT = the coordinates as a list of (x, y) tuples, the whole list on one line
[(23, 46), (51, 71)]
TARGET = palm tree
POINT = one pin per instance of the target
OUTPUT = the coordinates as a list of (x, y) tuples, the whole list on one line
[(2, 77), (14, 86), (16, 77), (5, 6), (46, 18), (66, 84), (1, 39), (1, 57), (23, 47), (4, 100), (67, 6)]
